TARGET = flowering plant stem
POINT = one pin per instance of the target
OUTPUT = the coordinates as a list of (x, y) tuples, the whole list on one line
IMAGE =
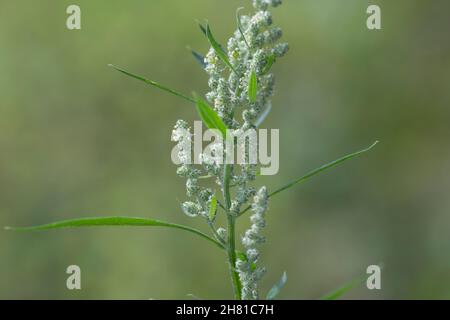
[(231, 243), (232, 257), (240, 80)]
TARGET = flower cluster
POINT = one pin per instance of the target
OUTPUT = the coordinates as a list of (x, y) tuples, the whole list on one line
[(251, 51), (249, 274)]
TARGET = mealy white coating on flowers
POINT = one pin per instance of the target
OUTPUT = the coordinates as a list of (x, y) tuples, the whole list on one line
[(248, 274), (252, 51)]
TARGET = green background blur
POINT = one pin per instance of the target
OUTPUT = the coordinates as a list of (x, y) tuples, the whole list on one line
[(78, 139)]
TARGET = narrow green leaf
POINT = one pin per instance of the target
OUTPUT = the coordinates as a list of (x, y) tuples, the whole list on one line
[(154, 83), (339, 292), (269, 64), (213, 208), (209, 116), (218, 48), (239, 24), (202, 28), (198, 57), (252, 87), (113, 221), (317, 171), (323, 168), (277, 287)]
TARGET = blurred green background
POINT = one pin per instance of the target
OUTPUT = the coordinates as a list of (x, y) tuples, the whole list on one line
[(78, 139)]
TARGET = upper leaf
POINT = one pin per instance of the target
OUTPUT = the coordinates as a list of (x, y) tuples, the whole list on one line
[(218, 48), (199, 58), (153, 83), (209, 116)]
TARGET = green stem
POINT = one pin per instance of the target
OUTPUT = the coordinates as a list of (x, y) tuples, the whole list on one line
[(231, 248)]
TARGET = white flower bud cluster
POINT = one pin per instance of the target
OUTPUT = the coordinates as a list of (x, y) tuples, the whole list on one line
[(181, 134), (249, 274), (251, 50), (243, 194)]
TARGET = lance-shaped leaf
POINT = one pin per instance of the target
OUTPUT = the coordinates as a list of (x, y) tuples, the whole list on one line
[(317, 171), (114, 221), (277, 287), (323, 168), (202, 28), (199, 58), (209, 116), (218, 48), (252, 87), (154, 83), (213, 208)]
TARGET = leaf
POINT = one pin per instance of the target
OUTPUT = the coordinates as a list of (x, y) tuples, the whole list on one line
[(213, 208), (202, 28), (209, 116), (269, 64), (342, 290), (218, 48), (263, 116), (277, 287), (252, 87), (339, 292), (113, 221), (323, 168), (239, 24), (154, 83), (199, 58), (317, 171)]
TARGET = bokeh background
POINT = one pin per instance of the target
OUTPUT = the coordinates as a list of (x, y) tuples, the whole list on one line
[(78, 139)]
